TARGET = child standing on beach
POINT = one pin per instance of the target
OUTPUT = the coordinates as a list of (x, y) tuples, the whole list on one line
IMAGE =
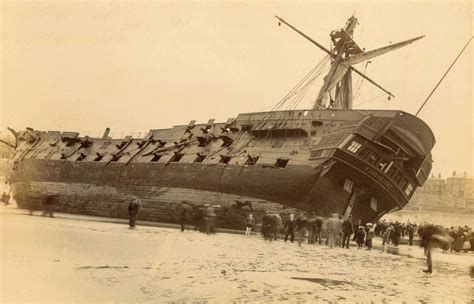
[(250, 222), (360, 237), (370, 236)]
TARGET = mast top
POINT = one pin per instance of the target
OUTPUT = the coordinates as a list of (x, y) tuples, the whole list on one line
[(344, 54)]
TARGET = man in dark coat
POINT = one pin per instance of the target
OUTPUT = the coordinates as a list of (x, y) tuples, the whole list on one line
[(397, 233), (290, 228), (318, 227), (133, 207), (183, 215), (277, 224), (267, 226), (348, 230), (312, 229), (411, 233)]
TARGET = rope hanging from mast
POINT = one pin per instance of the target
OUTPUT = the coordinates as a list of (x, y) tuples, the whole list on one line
[(295, 95), (446, 73)]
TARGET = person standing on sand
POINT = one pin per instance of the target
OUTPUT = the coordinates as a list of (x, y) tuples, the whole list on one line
[(290, 228), (312, 228), (339, 233), (277, 224), (386, 235), (370, 235), (396, 235), (5, 196), (318, 228), (5, 199), (133, 208), (210, 219), (348, 230), (301, 225), (360, 237), (359, 223), (332, 230), (411, 233), (183, 215), (249, 222), (267, 226)]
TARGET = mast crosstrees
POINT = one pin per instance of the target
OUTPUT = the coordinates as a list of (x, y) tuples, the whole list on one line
[(344, 54)]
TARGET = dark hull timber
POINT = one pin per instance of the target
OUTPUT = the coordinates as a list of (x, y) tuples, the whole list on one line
[(364, 163), (277, 189)]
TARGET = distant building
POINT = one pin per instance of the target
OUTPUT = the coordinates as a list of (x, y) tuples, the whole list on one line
[(434, 186), (457, 186), (460, 186)]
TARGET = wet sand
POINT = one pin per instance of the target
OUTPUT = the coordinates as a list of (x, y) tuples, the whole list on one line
[(64, 260)]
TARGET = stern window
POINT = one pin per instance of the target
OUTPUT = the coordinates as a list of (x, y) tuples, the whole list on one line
[(364, 152), (354, 146), (408, 190), (398, 178), (391, 171), (373, 203), (348, 185), (373, 158)]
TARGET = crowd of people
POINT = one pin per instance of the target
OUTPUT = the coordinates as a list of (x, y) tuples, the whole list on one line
[(461, 238), (338, 232), (311, 229), (333, 232)]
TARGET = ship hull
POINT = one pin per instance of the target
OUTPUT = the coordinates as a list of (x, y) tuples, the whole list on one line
[(320, 161), (90, 188)]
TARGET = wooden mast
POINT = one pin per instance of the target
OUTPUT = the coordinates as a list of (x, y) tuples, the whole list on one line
[(345, 54)]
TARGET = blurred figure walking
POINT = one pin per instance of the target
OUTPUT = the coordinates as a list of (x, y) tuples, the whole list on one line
[(432, 236), (332, 230), (48, 205), (133, 208), (301, 228), (290, 228)]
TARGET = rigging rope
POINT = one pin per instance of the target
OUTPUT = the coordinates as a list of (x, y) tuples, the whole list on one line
[(367, 100), (302, 84), (359, 86)]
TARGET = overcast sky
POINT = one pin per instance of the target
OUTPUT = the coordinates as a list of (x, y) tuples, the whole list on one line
[(135, 66)]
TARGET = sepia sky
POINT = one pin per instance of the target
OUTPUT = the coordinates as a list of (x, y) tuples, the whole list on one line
[(139, 65)]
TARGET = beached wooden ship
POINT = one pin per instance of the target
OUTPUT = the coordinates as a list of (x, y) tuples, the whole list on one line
[(327, 159)]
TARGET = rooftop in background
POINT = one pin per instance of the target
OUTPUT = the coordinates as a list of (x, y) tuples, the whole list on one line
[(456, 185)]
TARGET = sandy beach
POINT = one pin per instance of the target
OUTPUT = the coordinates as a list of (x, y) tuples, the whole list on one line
[(63, 260)]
